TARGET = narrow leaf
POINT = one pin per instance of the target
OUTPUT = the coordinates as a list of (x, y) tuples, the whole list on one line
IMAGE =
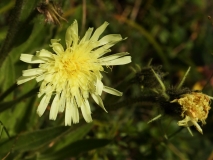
[(31, 140), (75, 149)]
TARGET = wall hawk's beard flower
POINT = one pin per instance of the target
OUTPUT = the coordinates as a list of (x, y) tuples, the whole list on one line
[(195, 108), (70, 75)]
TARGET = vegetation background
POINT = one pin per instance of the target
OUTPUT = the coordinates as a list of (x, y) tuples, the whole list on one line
[(175, 34)]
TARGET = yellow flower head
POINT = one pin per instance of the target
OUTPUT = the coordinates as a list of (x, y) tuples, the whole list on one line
[(195, 108), (74, 73)]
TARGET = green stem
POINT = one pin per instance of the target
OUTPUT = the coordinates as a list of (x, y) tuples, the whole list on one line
[(7, 7), (8, 91), (13, 28), (184, 78), (8, 105), (5, 129)]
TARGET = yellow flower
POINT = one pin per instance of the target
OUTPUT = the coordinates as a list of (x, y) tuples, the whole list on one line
[(195, 108), (70, 75)]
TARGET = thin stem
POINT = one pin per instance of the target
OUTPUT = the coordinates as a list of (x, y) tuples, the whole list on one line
[(176, 132), (161, 84), (190, 131), (155, 118), (149, 63), (8, 105), (8, 91), (184, 78), (5, 129), (159, 80), (13, 28), (7, 7)]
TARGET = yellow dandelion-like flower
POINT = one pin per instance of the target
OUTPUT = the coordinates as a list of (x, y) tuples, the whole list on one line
[(195, 108), (70, 75)]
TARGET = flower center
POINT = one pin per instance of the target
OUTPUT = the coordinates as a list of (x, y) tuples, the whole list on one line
[(76, 69)]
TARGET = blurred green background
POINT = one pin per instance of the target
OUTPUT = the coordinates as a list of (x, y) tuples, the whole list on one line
[(175, 34)]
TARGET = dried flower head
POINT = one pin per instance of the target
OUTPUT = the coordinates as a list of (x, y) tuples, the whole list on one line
[(195, 108), (71, 75), (51, 11)]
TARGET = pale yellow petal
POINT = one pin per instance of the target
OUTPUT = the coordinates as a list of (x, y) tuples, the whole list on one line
[(113, 56), (119, 61), (72, 34), (68, 114), (111, 38), (62, 102), (54, 108), (74, 111), (32, 72), (52, 41), (99, 31), (112, 91), (31, 59), (86, 112), (100, 52), (44, 53), (76, 93), (43, 104), (58, 48), (99, 101), (24, 79), (99, 87), (87, 35), (40, 77)]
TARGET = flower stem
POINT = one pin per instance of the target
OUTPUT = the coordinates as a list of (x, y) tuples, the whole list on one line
[(13, 28), (8, 91), (7, 105)]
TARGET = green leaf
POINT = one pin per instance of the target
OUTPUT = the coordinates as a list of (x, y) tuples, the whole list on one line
[(73, 136), (31, 140), (7, 78), (75, 149)]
